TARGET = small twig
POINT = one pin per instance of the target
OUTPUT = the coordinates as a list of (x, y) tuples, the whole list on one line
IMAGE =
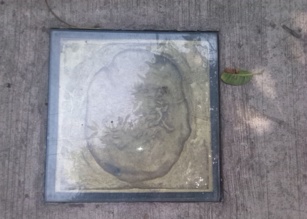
[(58, 17), (292, 32), (65, 22)]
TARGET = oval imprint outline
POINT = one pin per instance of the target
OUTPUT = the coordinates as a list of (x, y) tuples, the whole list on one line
[(119, 147)]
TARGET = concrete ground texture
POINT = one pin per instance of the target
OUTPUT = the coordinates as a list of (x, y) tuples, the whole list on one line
[(264, 130)]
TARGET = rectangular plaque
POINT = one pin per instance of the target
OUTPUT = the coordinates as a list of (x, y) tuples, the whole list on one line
[(133, 116)]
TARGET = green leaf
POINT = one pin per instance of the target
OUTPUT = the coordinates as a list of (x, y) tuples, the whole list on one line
[(236, 77)]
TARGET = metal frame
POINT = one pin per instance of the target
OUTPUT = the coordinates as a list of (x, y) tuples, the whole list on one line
[(52, 196)]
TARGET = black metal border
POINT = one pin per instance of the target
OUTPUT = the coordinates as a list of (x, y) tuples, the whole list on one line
[(51, 196)]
